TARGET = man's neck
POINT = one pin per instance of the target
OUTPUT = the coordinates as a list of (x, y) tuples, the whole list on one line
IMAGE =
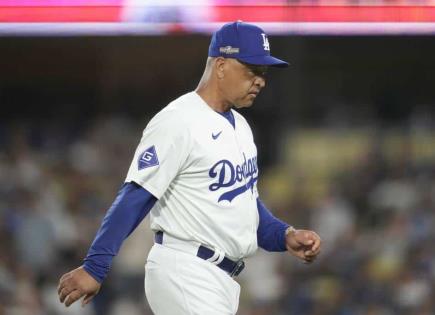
[(212, 98)]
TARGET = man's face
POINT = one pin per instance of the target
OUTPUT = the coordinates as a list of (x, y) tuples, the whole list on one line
[(242, 82)]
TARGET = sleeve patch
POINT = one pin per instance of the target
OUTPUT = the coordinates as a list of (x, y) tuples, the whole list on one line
[(148, 158)]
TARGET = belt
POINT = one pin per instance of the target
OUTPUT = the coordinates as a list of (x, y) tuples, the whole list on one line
[(233, 268)]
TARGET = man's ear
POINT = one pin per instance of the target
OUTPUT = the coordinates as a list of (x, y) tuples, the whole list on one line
[(220, 67)]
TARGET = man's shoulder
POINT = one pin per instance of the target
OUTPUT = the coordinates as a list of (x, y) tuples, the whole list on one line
[(180, 111), (183, 104)]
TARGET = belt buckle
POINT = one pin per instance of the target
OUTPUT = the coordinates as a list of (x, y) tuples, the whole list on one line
[(240, 265)]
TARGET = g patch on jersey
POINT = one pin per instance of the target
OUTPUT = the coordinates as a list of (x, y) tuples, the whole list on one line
[(148, 158)]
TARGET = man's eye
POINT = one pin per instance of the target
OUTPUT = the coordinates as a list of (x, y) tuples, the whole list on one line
[(256, 72), (260, 73)]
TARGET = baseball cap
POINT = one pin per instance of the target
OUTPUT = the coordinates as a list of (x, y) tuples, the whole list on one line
[(245, 42)]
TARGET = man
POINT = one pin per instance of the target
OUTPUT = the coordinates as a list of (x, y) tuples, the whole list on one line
[(195, 170)]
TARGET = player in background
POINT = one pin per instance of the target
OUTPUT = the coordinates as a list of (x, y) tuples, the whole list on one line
[(195, 171)]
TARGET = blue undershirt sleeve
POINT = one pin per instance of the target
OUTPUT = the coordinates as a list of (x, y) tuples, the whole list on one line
[(271, 230), (131, 205)]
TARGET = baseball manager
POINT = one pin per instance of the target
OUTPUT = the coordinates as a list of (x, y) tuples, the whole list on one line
[(195, 171)]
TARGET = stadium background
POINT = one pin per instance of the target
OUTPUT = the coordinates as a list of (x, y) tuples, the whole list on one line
[(345, 135)]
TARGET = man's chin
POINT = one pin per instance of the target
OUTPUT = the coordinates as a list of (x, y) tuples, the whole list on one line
[(245, 103)]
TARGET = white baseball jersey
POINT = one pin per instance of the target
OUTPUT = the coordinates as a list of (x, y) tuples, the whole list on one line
[(203, 172)]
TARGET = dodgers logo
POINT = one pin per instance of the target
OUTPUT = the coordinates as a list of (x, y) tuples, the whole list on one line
[(228, 175), (266, 45), (148, 158)]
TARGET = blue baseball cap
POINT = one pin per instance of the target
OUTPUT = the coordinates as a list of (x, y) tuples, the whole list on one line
[(245, 42)]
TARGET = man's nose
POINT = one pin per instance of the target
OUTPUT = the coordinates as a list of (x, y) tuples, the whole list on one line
[(260, 82)]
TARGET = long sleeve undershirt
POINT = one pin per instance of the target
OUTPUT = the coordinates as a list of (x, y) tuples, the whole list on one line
[(271, 230), (131, 206)]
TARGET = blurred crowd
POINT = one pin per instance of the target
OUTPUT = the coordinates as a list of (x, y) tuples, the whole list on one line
[(376, 217)]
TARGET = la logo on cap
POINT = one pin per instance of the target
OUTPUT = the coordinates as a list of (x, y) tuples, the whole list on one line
[(265, 42)]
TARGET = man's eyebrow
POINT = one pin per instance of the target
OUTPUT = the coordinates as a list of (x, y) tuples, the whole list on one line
[(259, 70)]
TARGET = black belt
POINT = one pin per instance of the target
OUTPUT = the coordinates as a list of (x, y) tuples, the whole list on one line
[(233, 268)]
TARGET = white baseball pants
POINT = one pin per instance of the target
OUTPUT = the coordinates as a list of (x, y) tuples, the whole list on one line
[(177, 282)]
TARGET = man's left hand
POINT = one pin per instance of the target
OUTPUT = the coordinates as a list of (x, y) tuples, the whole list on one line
[(303, 244)]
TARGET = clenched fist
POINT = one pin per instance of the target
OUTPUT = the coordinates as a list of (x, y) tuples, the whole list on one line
[(303, 244)]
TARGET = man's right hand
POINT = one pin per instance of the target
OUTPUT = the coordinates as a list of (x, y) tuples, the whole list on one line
[(76, 284)]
